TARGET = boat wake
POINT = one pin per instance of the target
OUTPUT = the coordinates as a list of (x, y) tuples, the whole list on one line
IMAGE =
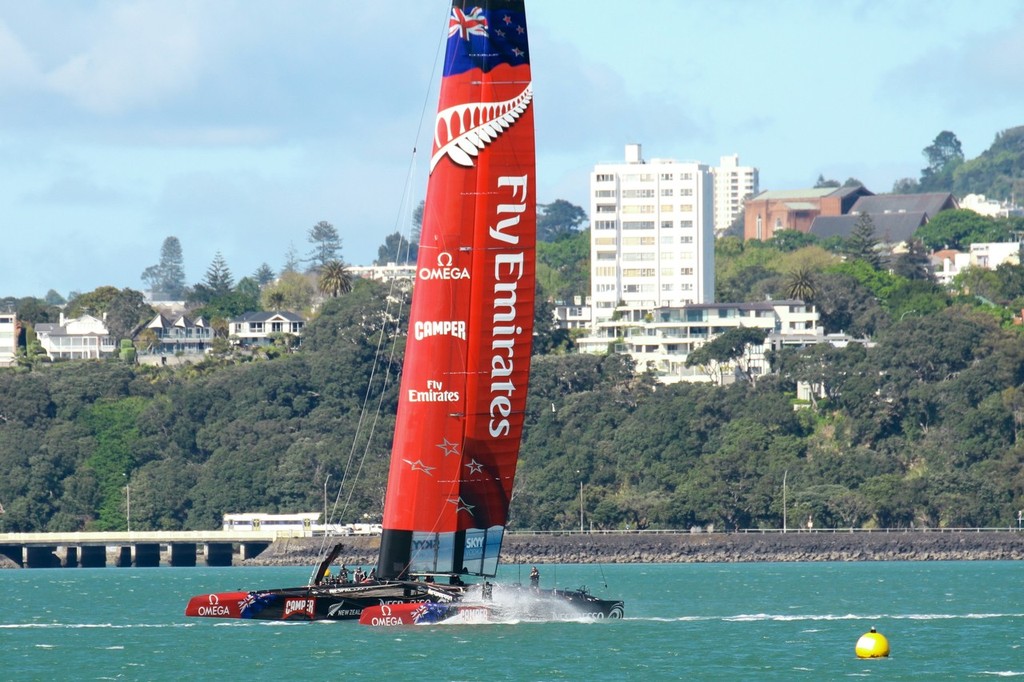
[(763, 617)]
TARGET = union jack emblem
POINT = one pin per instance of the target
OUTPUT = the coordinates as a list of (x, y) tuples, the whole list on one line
[(473, 23)]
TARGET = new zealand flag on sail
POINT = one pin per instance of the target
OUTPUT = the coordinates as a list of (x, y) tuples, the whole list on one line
[(484, 38)]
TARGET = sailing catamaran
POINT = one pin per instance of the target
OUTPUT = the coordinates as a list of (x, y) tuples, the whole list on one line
[(464, 379)]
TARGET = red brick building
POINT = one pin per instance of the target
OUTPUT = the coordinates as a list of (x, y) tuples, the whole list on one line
[(796, 209)]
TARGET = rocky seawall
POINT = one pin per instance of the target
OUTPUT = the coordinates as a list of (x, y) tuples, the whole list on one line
[(649, 547)]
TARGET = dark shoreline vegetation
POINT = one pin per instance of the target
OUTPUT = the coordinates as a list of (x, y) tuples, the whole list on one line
[(921, 429), (642, 548)]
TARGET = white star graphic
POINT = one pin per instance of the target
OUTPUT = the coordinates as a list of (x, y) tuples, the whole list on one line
[(449, 447), (475, 467), (418, 465), (462, 506)]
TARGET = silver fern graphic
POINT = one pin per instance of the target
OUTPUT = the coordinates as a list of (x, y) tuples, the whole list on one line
[(460, 132)]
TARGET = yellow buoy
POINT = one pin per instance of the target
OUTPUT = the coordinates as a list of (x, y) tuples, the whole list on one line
[(872, 645)]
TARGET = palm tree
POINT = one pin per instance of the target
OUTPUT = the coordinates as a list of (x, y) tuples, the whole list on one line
[(800, 284), (276, 299), (335, 279)]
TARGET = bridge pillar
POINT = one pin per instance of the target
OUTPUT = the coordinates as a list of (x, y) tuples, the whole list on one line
[(147, 554), (218, 553), (248, 550), (15, 553), (124, 557), (183, 554), (94, 556), (41, 557), (70, 557)]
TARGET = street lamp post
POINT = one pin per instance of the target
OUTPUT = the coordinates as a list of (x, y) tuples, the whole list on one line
[(127, 503), (325, 502), (581, 506), (784, 474)]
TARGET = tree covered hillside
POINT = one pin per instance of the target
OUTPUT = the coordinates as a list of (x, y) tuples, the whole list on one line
[(921, 428)]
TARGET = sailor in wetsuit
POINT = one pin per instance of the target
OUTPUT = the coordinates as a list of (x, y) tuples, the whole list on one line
[(534, 578)]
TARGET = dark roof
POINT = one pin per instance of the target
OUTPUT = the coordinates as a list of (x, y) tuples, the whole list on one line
[(265, 316), (890, 228), (929, 203)]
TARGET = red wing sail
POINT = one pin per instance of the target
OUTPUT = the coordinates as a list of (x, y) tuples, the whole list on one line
[(464, 380)]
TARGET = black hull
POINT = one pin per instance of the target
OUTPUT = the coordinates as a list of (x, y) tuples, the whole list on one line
[(347, 602), (320, 602)]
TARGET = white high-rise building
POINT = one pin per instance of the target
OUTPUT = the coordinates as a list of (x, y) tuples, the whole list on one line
[(651, 235), (733, 184)]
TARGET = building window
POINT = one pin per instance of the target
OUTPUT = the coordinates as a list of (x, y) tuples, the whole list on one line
[(685, 223), (604, 177), (605, 193), (638, 225), (604, 224), (606, 208)]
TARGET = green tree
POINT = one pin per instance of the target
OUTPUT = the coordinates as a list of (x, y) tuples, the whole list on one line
[(167, 278), (396, 249), (959, 228), (914, 262), (726, 349), (791, 240), (291, 259), (126, 312), (823, 183), (292, 291), (94, 303), (800, 284), (998, 172), (335, 279), (218, 280), (326, 245), (264, 275), (558, 220), (944, 155), (563, 267), (863, 243), (905, 186)]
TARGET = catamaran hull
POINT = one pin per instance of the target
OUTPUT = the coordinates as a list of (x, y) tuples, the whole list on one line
[(306, 603), (538, 606), (398, 603)]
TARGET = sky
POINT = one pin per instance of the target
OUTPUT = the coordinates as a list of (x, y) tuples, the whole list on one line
[(237, 125)]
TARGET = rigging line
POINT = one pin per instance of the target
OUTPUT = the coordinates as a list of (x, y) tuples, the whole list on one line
[(364, 410), (424, 112)]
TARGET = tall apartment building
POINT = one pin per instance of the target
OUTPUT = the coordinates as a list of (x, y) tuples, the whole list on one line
[(733, 184), (651, 235), (8, 339)]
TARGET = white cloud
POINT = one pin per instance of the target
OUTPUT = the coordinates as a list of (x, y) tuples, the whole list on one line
[(16, 65), (140, 55)]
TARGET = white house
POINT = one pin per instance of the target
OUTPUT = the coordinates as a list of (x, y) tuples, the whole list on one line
[(949, 263), (661, 340), (80, 338), (259, 328), (179, 334)]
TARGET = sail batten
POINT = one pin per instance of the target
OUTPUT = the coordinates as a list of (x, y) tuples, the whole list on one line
[(463, 390)]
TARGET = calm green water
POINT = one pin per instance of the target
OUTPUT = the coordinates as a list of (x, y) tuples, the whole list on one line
[(944, 621)]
